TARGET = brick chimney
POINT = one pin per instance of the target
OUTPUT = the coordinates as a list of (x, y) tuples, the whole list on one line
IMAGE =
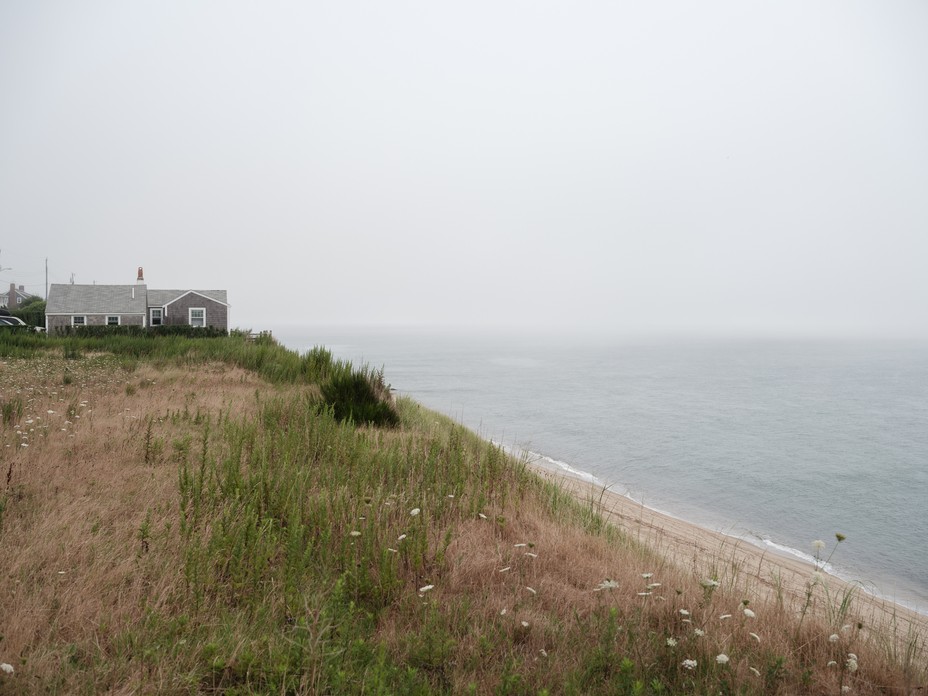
[(141, 278), (11, 298)]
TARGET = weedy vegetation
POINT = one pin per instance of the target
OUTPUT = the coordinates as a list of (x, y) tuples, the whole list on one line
[(247, 520)]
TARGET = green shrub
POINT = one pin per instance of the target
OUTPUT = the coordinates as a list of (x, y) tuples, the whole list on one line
[(360, 396), (151, 331)]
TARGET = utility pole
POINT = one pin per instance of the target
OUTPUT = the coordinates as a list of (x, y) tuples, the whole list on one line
[(46, 279)]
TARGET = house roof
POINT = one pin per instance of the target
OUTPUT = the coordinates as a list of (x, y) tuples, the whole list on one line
[(161, 298), (96, 299)]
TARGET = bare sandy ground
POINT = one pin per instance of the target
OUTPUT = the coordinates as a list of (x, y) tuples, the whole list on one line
[(767, 574)]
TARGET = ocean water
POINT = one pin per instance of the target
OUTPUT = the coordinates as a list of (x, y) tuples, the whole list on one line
[(777, 442)]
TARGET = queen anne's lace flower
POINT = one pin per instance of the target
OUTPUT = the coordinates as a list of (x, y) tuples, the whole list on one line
[(722, 659), (689, 664)]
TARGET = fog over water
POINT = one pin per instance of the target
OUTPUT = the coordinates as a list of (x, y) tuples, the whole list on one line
[(629, 168)]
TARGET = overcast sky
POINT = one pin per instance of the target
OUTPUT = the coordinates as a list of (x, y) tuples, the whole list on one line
[(629, 166)]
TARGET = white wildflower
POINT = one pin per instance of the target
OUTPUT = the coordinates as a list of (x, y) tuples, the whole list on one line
[(506, 569), (544, 653), (845, 689), (755, 637), (415, 511), (392, 550), (354, 533), (851, 664), (401, 537), (481, 516), (818, 545), (426, 588), (710, 583), (755, 671), (520, 546), (503, 612), (647, 576), (832, 663), (671, 642), (652, 585), (749, 613), (606, 584), (6, 667), (834, 638), (699, 632), (531, 555), (724, 616), (644, 594), (722, 659), (525, 624), (531, 589), (684, 612), (689, 664)]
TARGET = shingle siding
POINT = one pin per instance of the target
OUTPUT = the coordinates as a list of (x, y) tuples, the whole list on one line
[(59, 322), (178, 312)]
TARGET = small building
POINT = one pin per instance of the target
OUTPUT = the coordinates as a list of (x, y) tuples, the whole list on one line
[(134, 305), (14, 297), (191, 307)]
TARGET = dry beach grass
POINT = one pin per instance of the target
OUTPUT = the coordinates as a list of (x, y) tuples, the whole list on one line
[(501, 582)]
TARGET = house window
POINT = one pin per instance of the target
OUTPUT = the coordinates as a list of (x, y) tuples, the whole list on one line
[(78, 321), (197, 316), (112, 321), (19, 300), (156, 316)]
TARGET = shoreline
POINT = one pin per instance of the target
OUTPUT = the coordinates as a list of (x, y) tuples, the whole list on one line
[(788, 553), (770, 571)]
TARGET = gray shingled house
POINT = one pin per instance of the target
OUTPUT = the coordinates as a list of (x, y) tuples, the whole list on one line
[(15, 297), (133, 305)]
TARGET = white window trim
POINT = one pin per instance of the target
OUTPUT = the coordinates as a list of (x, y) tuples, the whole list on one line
[(151, 316), (75, 317), (190, 312), (117, 317)]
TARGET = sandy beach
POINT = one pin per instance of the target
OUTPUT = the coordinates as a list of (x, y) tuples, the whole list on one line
[(764, 572)]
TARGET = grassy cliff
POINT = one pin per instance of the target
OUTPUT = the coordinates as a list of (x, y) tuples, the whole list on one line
[(220, 515)]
